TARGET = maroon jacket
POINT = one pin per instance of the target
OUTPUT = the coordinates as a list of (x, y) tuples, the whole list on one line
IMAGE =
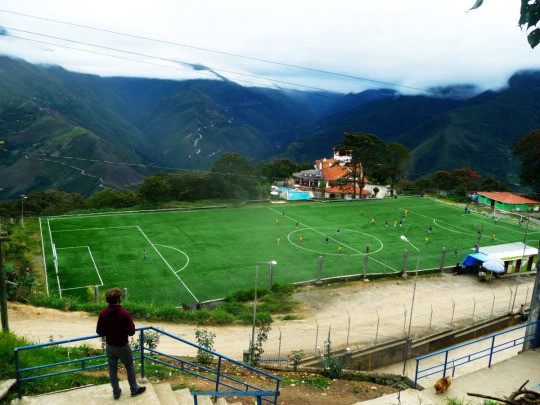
[(116, 324)]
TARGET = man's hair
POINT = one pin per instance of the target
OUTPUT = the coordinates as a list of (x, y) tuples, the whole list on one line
[(113, 295)]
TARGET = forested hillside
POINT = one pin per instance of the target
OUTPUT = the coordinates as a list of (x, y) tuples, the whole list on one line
[(81, 133)]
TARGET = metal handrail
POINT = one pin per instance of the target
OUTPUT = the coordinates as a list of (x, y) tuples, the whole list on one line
[(224, 384), (493, 348)]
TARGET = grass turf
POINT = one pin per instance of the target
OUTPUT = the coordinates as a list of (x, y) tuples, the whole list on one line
[(197, 255)]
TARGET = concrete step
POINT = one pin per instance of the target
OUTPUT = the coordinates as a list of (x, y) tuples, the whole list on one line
[(5, 386), (165, 394), (184, 396), (90, 395), (159, 394)]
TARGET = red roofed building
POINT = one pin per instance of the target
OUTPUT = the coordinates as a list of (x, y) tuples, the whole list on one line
[(332, 178), (506, 201)]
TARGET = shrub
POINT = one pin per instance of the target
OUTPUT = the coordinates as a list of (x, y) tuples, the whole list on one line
[(204, 339)]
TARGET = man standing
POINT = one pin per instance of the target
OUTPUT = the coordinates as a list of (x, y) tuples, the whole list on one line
[(116, 324)]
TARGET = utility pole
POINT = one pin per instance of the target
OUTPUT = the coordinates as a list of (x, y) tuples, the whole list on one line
[(3, 293)]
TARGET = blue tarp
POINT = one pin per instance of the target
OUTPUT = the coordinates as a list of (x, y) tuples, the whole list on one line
[(473, 258)]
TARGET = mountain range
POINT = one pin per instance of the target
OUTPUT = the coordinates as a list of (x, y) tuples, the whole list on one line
[(81, 133)]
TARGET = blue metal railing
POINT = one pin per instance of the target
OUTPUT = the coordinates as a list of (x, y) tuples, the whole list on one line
[(225, 385), (492, 345)]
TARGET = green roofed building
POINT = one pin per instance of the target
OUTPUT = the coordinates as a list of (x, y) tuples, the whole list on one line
[(507, 201)]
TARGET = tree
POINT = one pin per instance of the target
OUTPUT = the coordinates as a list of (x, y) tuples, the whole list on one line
[(238, 174), (155, 189), (366, 151), (529, 18), (465, 178), (394, 162), (491, 184), (278, 169), (442, 180), (528, 149), (105, 199)]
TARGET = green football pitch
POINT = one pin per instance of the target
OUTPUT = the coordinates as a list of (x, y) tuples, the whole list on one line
[(198, 255)]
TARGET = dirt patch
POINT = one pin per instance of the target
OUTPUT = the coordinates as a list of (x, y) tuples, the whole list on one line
[(299, 388)]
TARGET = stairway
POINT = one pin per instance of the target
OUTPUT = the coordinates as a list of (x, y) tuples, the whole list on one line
[(159, 394)]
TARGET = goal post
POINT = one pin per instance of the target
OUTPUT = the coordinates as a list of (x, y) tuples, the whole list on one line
[(55, 258)]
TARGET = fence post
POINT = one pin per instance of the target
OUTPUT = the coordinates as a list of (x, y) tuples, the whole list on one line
[(491, 351), (142, 351), (430, 319), (348, 329), (316, 337), (404, 271), (473, 309), (319, 271), (404, 320), (279, 347), (366, 258), (443, 259), (526, 295), (453, 311), (96, 294), (510, 302), (377, 330), (492, 306)]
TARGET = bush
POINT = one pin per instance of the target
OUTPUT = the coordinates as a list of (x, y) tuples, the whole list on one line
[(221, 317), (204, 339)]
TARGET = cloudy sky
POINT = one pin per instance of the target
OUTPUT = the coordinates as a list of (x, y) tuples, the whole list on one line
[(339, 45)]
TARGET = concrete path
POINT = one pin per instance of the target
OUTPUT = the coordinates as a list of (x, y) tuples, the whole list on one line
[(498, 381)]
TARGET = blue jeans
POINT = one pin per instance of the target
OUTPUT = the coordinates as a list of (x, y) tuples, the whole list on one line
[(124, 354)]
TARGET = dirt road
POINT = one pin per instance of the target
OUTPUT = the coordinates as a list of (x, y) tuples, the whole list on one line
[(356, 314)]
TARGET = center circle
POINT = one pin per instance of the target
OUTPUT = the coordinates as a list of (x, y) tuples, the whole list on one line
[(306, 238)]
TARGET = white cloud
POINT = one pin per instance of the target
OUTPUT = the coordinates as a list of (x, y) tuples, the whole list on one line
[(420, 43)]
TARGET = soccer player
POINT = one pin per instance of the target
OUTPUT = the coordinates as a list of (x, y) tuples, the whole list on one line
[(340, 249), (386, 223), (427, 239), (338, 231), (492, 237), (278, 240), (145, 255), (277, 221), (296, 224), (301, 239), (327, 239), (430, 229), (395, 222)]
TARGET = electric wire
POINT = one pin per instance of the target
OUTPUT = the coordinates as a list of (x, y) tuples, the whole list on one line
[(221, 52), (193, 67)]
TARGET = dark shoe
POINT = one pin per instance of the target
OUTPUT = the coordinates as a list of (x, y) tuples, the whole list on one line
[(116, 396), (140, 390)]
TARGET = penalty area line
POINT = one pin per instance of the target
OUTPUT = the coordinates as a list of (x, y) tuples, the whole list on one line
[(167, 263)]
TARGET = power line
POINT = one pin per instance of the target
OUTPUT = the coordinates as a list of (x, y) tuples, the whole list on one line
[(322, 71), (193, 67)]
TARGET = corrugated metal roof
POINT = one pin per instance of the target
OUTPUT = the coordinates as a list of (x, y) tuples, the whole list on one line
[(509, 251), (507, 198)]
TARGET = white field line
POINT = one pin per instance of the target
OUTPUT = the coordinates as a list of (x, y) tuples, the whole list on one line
[(96, 229), (44, 261), (95, 266), (93, 261), (168, 265), (178, 250), (349, 247)]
